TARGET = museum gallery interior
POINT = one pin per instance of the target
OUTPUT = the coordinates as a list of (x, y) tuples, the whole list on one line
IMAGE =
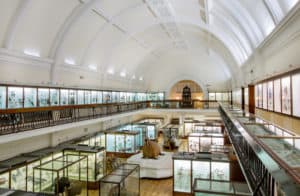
[(149, 97)]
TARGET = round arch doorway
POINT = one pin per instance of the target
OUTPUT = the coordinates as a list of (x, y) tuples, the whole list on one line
[(177, 89)]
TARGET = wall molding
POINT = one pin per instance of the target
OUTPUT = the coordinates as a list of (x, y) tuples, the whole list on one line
[(15, 57)]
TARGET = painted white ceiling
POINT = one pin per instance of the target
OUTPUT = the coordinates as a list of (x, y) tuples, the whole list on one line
[(204, 40)]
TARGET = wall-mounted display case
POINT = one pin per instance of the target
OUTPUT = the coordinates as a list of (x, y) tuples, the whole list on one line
[(72, 97), (198, 140), (205, 187), (96, 160), (189, 166), (15, 97), (2, 97), (148, 130), (64, 97), (94, 97), (30, 95), (125, 180), (49, 176), (80, 97), (107, 97), (122, 141), (43, 97)]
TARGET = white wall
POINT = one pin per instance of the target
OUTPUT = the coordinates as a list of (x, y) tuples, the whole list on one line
[(278, 54)]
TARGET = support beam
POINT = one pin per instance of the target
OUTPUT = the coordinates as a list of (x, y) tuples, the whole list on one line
[(251, 95)]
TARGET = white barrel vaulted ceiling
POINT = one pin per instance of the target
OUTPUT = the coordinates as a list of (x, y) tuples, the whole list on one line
[(133, 44)]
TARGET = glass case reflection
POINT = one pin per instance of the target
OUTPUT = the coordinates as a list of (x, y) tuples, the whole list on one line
[(2, 97), (15, 97), (43, 97)]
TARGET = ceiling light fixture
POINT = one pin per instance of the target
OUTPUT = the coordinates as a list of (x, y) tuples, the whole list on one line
[(70, 61), (32, 52), (111, 71), (141, 78), (93, 67), (123, 74)]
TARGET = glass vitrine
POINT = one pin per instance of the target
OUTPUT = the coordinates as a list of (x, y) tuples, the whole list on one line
[(54, 97), (4, 177), (204, 187), (106, 97), (43, 97), (125, 180), (2, 97), (96, 160), (188, 127), (53, 176), (80, 97), (115, 97), (94, 97), (182, 176), (123, 97), (189, 166), (170, 134), (198, 140), (15, 97), (141, 97), (94, 140), (87, 97), (64, 97), (72, 97), (99, 97), (122, 141), (30, 97)]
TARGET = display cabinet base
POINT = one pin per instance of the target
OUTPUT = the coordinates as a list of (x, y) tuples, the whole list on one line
[(181, 194), (120, 154), (93, 185)]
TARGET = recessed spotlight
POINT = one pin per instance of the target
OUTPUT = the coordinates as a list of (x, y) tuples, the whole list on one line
[(32, 52), (93, 67), (133, 77), (70, 61), (111, 71), (123, 74), (141, 78)]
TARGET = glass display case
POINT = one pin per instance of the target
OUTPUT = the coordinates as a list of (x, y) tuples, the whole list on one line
[(277, 96), (97, 140), (198, 140), (188, 126), (147, 130), (87, 97), (202, 128), (125, 180), (54, 176), (54, 97), (170, 133), (122, 141), (30, 97), (189, 166), (123, 97), (141, 97), (115, 97), (64, 97), (94, 97), (80, 97), (4, 177), (15, 97), (96, 160), (2, 97), (72, 97), (99, 97), (107, 97), (204, 187), (43, 97)]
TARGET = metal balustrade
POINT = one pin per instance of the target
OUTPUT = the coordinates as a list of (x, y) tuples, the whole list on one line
[(265, 174), (18, 120)]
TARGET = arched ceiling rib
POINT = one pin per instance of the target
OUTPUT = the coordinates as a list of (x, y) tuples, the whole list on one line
[(90, 32)]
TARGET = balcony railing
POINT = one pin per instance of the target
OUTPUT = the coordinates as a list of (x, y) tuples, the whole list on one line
[(18, 120)]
